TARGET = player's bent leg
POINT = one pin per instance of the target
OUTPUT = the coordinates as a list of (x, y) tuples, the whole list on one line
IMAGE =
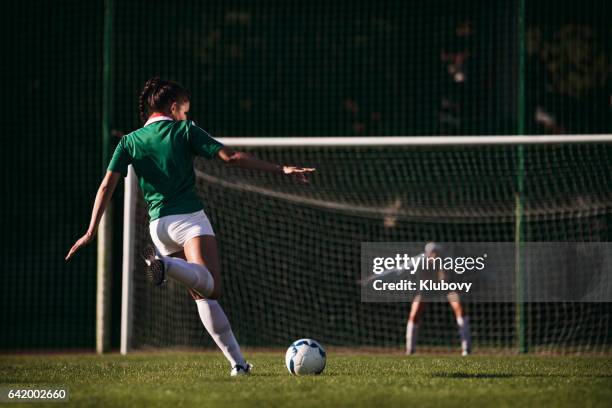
[(412, 326), (463, 324), (194, 275), (155, 270), (195, 295), (203, 250)]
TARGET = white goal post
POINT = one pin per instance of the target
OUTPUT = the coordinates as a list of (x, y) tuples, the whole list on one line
[(131, 186), (129, 209)]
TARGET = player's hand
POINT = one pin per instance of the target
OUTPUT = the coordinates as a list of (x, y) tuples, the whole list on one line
[(81, 242), (298, 173)]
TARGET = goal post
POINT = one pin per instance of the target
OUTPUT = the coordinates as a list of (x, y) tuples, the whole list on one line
[(129, 235), (287, 248)]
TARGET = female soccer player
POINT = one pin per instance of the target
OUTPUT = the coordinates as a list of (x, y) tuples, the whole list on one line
[(162, 154), (433, 250)]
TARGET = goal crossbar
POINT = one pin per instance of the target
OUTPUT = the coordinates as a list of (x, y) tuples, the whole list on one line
[(332, 141)]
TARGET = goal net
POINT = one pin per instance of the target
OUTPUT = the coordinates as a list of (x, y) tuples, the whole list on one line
[(290, 253)]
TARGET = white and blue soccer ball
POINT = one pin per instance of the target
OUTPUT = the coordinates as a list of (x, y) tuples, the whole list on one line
[(305, 356)]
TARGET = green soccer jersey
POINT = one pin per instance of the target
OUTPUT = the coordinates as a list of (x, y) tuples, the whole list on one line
[(162, 154)]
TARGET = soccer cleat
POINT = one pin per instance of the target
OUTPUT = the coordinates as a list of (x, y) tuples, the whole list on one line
[(466, 353), (155, 270), (240, 370)]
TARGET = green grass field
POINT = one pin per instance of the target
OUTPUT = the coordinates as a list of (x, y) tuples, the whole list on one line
[(366, 380)]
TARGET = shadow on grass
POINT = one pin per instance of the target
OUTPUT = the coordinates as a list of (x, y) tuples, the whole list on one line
[(484, 375), (470, 375)]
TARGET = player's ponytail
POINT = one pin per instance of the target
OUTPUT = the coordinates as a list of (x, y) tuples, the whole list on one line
[(158, 95)]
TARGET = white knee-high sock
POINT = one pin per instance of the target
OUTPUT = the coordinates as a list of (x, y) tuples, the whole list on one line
[(464, 332), (411, 337), (215, 321), (192, 275)]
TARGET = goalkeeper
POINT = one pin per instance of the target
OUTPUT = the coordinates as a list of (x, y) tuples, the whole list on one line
[(433, 250), (162, 154)]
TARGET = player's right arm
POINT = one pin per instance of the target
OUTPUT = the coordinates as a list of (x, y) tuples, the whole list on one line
[(103, 196), (116, 169)]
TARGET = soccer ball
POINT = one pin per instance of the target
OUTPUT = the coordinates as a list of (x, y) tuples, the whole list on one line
[(305, 356)]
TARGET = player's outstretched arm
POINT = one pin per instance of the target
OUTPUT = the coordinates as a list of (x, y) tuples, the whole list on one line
[(105, 192), (248, 161)]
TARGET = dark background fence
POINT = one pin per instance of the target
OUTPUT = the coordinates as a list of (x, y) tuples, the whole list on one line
[(259, 68)]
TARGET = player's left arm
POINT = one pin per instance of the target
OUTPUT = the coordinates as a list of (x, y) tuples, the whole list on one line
[(250, 162), (202, 144), (105, 192)]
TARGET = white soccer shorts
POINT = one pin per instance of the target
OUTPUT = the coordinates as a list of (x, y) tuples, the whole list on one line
[(170, 233)]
